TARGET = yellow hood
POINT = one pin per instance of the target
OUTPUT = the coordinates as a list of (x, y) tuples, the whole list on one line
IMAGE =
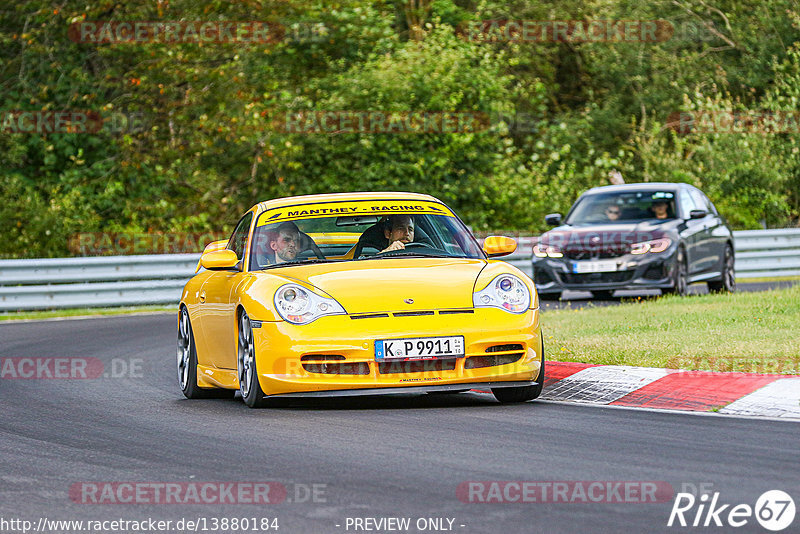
[(369, 286)]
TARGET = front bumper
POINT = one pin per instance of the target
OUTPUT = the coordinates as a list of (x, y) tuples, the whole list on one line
[(295, 360), (646, 271)]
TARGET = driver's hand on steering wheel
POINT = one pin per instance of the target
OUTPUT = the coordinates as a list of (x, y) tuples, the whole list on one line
[(397, 245)]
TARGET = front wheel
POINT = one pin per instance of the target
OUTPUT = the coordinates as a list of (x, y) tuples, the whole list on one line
[(728, 282), (524, 393), (252, 395), (680, 276)]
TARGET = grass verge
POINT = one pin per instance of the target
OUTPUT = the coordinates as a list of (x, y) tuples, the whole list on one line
[(81, 312), (743, 332)]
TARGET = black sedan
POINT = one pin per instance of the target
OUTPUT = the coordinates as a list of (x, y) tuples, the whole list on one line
[(635, 236)]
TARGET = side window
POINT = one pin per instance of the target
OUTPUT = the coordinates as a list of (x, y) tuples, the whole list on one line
[(687, 203), (238, 240)]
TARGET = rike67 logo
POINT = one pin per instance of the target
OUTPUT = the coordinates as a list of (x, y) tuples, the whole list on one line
[(774, 510)]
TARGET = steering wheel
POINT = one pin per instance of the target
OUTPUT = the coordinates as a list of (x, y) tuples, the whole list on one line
[(312, 246), (317, 252)]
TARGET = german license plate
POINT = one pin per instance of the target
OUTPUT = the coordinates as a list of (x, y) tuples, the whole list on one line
[(594, 266), (419, 348)]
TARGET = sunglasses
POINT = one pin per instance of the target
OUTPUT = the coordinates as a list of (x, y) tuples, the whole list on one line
[(613, 211)]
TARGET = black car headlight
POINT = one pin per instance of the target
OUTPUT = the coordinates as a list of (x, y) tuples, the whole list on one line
[(656, 245), (544, 251)]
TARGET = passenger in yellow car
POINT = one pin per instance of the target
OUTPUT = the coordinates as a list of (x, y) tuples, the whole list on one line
[(285, 242), (399, 230)]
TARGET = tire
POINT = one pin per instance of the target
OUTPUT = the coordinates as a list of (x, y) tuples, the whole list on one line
[(728, 282), (604, 294), (187, 364), (550, 296), (524, 393), (246, 371), (680, 276)]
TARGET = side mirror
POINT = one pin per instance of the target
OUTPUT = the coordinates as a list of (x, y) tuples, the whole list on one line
[(216, 245), (497, 245), (219, 259), (553, 219), (211, 247), (697, 214)]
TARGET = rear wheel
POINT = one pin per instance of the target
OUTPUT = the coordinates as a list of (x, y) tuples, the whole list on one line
[(187, 363), (727, 284), (524, 393), (680, 276), (246, 365)]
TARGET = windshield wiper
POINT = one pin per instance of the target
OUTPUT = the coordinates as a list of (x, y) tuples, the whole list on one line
[(407, 254)]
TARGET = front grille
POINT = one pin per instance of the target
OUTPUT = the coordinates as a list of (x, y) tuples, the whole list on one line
[(541, 277), (598, 278), (454, 312), (321, 357), (597, 253), (369, 316), (412, 313), (476, 362), (347, 368), (416, 366), (656, 272), (504, 348)]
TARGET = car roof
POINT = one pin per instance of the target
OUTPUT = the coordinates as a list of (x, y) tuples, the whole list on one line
[(646, 186), (333, 197)]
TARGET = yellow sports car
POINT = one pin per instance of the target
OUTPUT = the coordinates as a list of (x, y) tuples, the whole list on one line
[(358, 294)]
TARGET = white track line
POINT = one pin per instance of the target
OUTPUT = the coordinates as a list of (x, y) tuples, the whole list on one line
[(777, 399), (603, 384)]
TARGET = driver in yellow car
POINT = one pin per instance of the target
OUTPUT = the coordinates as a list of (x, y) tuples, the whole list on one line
[(399, 230)]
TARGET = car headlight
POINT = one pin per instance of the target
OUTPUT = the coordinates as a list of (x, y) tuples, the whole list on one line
[(298, 305), (656, 245), (543, 251), (506, 292)]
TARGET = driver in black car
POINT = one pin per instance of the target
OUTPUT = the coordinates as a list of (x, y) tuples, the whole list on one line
[(398, 230)]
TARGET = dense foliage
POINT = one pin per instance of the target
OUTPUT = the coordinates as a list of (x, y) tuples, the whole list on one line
[(207, 141)]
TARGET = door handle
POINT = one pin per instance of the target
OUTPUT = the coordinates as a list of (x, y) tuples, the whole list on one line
[(202, 297)]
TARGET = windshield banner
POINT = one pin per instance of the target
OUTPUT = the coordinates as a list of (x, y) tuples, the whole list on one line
[(352, 208)]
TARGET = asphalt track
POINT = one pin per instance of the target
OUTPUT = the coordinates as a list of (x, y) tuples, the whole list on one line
[(399, 456)]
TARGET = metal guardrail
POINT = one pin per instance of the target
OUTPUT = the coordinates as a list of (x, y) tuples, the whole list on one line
[(159, 278)]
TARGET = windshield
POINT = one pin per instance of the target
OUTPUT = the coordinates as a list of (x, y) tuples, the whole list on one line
[(359, 237), (623, 207)]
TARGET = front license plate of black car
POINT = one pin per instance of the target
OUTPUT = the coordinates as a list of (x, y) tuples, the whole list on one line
[(419, 348)]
